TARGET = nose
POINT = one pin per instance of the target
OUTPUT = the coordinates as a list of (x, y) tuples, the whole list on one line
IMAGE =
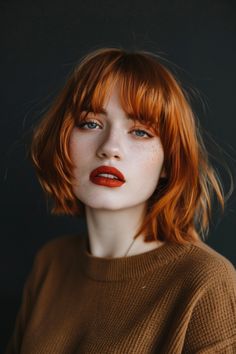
[(110, 147)]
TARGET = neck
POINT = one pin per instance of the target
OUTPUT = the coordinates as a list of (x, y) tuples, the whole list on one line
[(110, 232)]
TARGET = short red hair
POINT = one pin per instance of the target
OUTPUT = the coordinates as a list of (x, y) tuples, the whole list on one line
[(180, 208)]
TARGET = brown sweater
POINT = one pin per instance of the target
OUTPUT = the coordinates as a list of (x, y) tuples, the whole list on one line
[(174, 299)]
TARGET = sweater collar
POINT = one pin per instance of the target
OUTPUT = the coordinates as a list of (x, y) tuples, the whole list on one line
[(130, 267)]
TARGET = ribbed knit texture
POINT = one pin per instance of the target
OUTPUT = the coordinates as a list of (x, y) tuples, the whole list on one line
[(170, 300)]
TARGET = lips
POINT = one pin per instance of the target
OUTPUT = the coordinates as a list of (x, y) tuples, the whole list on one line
[(104, 180)]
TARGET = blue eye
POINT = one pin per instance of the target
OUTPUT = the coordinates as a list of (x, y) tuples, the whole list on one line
[(142, 131), (90, 124)]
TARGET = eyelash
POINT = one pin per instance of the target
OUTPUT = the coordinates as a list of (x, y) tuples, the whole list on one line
[(81, 125)]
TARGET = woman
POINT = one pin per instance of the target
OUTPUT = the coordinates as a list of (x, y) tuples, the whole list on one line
[(120, 146)]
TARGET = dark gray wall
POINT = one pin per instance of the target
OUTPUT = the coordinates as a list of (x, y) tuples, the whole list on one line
[(41, 41)]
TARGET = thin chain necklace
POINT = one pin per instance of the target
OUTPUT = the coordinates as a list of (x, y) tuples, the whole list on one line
[(125, 252), (129, 247)]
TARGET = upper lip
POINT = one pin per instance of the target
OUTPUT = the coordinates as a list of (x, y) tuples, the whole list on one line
[(108, 169)]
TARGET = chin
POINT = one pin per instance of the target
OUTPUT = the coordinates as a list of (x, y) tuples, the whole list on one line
[(105, 206)]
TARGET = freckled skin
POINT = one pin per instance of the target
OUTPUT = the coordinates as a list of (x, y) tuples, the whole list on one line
[(114, 142)]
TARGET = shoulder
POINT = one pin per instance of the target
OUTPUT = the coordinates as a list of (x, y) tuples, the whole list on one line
[(62, 242), (58, 250), (212, 260), (211, 326), (206, 266)]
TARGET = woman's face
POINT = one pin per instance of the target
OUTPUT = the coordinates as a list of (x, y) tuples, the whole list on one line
[(113, 139)]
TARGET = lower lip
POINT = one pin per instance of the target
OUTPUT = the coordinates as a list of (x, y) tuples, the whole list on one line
[(108, 182)]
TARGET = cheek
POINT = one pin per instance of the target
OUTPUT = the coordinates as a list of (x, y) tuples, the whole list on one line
[(73, 146), (152, 158), (78, 149)]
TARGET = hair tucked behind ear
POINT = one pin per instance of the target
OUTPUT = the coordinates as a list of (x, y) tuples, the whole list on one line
[(180, 208)]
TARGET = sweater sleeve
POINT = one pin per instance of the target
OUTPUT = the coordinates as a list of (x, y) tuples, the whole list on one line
[(212, 327), (24, 312)]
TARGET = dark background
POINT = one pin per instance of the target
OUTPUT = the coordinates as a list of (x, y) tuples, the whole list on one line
[(41, 41)]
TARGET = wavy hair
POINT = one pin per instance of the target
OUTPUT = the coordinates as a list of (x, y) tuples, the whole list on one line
[(180, 208)]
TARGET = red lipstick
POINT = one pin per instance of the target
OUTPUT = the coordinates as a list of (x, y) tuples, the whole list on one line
[(115, 178)]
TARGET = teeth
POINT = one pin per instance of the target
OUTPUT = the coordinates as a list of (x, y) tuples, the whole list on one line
[(107, 175)]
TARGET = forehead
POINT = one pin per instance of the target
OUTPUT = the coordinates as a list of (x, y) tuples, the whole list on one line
[(113, 96), (112, 104), (133, 98)]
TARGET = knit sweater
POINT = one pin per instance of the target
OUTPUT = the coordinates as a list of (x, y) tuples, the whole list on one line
[(170, 300)]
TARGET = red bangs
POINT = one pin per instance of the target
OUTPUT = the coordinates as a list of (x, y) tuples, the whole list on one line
[(179, 210), (143, 93)]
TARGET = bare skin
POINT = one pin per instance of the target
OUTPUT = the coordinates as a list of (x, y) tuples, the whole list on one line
[(113, 214)]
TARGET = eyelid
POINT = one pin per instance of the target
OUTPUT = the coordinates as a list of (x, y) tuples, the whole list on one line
[(87, 113), (94, 120), (84, 121), (144, 128), (135, 127)]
